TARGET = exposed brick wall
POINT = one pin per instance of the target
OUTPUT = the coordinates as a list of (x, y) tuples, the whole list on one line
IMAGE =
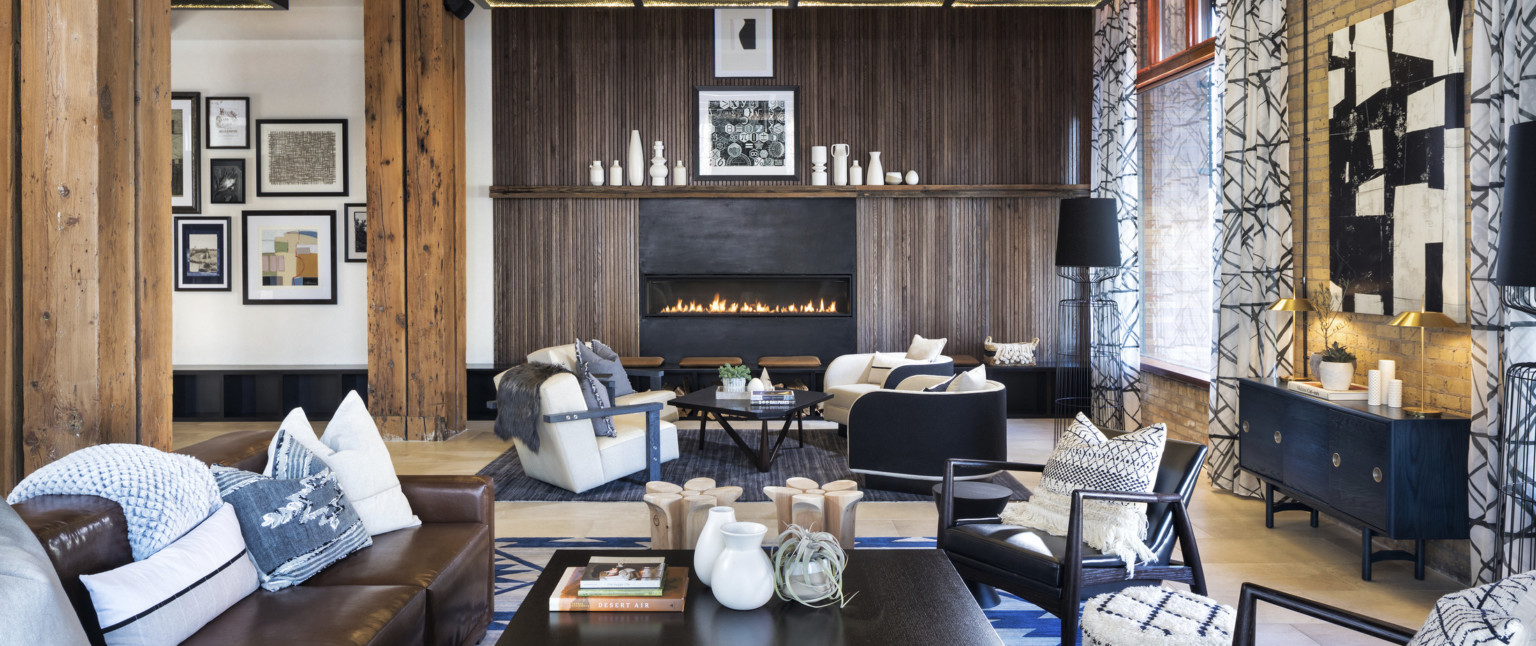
[(1184, 407)]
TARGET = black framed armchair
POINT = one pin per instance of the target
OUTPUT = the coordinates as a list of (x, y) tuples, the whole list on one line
[(1252, 594), (1057, 572)]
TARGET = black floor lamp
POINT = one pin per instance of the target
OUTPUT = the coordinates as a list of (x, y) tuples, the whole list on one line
[(1516, 279), (1088, 339)]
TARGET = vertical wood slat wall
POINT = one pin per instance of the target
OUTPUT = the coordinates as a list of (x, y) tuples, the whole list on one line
[(86, 257), (415, 132), (980, 96)]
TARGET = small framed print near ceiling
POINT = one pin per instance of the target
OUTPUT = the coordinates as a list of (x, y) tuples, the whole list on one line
[(289, 257), (186, 153), (301, 157), (743, 43), (202, 254)]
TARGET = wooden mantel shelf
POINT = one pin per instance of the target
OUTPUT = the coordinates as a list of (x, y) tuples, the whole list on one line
[(787, 191)]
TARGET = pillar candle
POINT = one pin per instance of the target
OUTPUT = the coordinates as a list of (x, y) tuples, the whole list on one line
[(1395, 393), (1373, 387), (1388, 370)]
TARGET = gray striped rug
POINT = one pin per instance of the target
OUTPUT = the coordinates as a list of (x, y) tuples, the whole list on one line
[(823, 459)]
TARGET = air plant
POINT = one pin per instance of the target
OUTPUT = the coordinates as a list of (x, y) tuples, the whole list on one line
[(1338, 354), (808, 567)]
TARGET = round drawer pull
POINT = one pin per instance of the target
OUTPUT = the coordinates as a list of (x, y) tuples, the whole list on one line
[(1376, 474), (1335, 459), (1277, 437), (1245, 426)]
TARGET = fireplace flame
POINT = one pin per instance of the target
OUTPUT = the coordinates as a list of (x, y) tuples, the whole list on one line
[(723, 306)]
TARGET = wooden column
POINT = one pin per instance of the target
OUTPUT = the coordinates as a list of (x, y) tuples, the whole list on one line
[(86, 262), (416, 191)]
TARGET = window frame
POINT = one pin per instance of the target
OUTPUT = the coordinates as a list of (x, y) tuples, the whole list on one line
[(1166, 66)]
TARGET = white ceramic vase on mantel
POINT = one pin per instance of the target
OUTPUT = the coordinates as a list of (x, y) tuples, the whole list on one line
[(711, 542), (636, 160), (875, 172), (742, 578), (1335, 375)]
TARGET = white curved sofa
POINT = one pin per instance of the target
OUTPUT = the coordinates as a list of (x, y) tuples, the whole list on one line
[(852, 376)]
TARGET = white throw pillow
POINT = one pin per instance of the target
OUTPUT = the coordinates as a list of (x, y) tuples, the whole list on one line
[(355, 452), (1085, 459), (1495, 614), (880, 368), (970, 380), (167, 597), (925, 349)]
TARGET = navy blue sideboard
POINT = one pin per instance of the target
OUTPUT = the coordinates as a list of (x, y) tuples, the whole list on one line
[(1369, 466)]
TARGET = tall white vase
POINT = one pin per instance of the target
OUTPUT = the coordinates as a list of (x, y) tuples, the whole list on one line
[(636, 166), (711, 542), (875, 172), (742, 578), (658, 167), (839, 164)]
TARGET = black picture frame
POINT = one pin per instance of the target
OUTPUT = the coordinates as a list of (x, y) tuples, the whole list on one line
[(190, 171), (186, 279), (324, 224), (208, 118), (217, 174), (262, 160), (351, 236), (747, 93)]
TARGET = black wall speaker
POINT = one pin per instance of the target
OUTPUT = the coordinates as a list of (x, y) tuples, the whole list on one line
[(460, 8)]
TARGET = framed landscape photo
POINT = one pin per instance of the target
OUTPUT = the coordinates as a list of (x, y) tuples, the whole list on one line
[(354, 223), (301, 157), (202, 254), (289, 257), (229, 122), (746, 132), (186, 154), (743, 43), (226, 181)]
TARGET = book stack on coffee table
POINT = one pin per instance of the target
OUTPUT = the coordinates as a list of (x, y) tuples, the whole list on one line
[(619, 584)]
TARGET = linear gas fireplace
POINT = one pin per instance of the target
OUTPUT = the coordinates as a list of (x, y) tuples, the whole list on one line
[(747, 277), (747, 296)]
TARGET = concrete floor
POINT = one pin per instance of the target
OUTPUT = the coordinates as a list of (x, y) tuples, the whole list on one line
[(1321, 563)]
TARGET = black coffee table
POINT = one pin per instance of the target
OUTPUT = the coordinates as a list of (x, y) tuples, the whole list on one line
[(722, 410), (909, 597)]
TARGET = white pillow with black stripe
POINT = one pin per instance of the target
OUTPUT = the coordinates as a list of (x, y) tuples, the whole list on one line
[(1487, 615), (165, 598)]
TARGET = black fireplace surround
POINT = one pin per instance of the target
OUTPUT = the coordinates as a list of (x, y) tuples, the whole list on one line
[(747, 277)]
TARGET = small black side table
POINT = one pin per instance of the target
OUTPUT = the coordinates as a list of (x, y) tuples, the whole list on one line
[(977, 500)]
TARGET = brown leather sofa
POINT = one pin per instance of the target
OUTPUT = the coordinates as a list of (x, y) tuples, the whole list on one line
[(424, 585)]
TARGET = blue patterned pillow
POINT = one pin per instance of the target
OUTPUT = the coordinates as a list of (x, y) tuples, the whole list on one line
[(297, 522)]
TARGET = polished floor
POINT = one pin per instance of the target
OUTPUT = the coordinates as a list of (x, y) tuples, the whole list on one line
[(1321, 563)]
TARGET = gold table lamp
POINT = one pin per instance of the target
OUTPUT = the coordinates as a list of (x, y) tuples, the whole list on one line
[(1423, 321), (1295, 306)]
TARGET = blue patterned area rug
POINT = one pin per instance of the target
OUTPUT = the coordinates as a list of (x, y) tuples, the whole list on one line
[(519, 561)]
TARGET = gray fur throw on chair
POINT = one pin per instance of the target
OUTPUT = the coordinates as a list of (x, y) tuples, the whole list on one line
[(517, 402)]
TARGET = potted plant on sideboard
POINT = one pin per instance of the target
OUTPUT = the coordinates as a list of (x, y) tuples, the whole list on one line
[(1337, 368)]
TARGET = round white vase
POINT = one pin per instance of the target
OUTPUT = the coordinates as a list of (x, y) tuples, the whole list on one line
[(742, 578), (710, 541), (1334, 375)]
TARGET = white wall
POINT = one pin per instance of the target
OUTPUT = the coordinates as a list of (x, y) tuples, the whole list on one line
[(308, 63)]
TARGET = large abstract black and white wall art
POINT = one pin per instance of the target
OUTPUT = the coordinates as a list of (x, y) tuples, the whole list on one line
[(1397, 232)]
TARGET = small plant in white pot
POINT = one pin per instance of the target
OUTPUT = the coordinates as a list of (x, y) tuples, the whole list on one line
[(734, 378), (1337, 369), (808, 568)]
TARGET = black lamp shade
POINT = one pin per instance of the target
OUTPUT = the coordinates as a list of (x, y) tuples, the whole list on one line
[(1087, 234), (1517, 230)]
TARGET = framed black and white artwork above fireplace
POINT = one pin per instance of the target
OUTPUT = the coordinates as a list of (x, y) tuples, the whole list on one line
[(746, 132)]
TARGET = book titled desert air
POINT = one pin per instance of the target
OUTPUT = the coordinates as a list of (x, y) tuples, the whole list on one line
[(622, 573), (568, 598)]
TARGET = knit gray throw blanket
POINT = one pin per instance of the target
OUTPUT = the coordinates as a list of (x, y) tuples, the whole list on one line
[(517, 402)]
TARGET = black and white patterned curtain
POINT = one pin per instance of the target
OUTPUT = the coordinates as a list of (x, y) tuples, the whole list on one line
[(1116, 156), (1253, 237), (1503, 73)]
